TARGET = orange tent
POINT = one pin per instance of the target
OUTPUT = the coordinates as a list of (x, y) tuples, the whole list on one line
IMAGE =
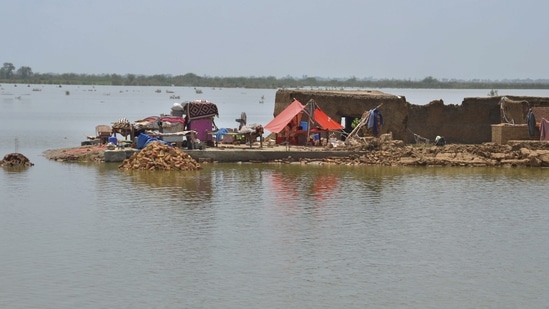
[(294, 110), (325, 121)]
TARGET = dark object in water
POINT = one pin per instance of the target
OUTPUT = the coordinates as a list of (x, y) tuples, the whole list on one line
[(15, 159)]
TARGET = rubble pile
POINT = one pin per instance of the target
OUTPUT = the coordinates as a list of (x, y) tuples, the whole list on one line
[(159, 156), (396, 153), (15, 159)]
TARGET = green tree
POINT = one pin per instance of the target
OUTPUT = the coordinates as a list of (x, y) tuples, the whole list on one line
[(24, 72), (116, 80), (429, 80), (131, 79), (7, 70)]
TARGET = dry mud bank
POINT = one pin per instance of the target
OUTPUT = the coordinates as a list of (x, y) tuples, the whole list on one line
[(391, 153), (395, 153)]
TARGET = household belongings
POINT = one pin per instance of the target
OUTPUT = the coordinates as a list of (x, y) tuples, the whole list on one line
[(544, 130), (199, 116), (536, 119), (102, 133), (177, 110), (290, 123), (372, 119), (375, 121), (123, 127), (531, 121), (143, 140), (440, 141), (247, 133)]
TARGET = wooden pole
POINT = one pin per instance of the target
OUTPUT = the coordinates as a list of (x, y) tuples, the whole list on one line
[(363, 121)]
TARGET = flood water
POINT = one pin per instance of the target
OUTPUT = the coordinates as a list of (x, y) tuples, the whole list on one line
[(253, 235)]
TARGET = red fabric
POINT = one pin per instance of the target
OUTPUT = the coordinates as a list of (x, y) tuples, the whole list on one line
[(281, 120), (149, 119), (325, 121), (172, 119)]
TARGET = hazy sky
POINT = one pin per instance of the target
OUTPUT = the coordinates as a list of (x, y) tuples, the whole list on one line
[(401, 39)]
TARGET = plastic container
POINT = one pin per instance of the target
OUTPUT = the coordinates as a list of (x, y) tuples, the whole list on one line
[(113, 140), (304, 125)]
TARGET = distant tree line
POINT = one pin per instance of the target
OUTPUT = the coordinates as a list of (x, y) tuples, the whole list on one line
[(25, 75)]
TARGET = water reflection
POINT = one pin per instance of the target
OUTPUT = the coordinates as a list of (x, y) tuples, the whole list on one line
[(230, 228), (14, 180), (188, 186), (256, 235)]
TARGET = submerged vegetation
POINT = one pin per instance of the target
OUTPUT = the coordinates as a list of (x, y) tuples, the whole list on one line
[(24, 75)]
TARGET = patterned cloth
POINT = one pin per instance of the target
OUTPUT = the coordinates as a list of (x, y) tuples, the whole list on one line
[(200, 109)]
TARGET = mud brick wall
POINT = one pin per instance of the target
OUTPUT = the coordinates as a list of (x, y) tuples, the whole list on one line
[(467, 123), (501, 133)]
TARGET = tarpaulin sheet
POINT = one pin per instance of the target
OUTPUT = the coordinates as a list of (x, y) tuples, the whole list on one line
[(325, 121), (281, 120)]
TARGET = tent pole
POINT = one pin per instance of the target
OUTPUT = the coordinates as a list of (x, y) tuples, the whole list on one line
[(309, 122)]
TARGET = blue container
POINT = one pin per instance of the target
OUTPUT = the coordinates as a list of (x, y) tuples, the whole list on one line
[(142, 140), (303, 125), (113, 140)]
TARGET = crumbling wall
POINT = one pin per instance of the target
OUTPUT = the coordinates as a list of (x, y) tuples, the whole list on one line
[(339, 104), (468, 123)]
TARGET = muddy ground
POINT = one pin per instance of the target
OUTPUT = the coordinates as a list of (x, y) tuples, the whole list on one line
[(390, 153), (519, 153), (77, 154)]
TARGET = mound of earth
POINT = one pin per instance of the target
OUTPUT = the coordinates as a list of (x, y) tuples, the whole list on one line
[(158, 156), (15, 159), (77, 154)]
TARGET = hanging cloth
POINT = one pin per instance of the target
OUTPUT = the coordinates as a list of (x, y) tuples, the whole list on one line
[(375, 121), (531, 121)]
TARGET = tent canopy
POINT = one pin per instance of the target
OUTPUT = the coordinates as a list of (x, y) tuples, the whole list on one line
[(294, 110), (325, 121), (281, 120)]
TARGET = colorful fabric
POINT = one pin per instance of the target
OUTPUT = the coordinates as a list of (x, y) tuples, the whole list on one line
[(295, 109), (281, 120), (172, 119), (375, 121), (544, 130), (219, 134), (325, 121), (200, 109)]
